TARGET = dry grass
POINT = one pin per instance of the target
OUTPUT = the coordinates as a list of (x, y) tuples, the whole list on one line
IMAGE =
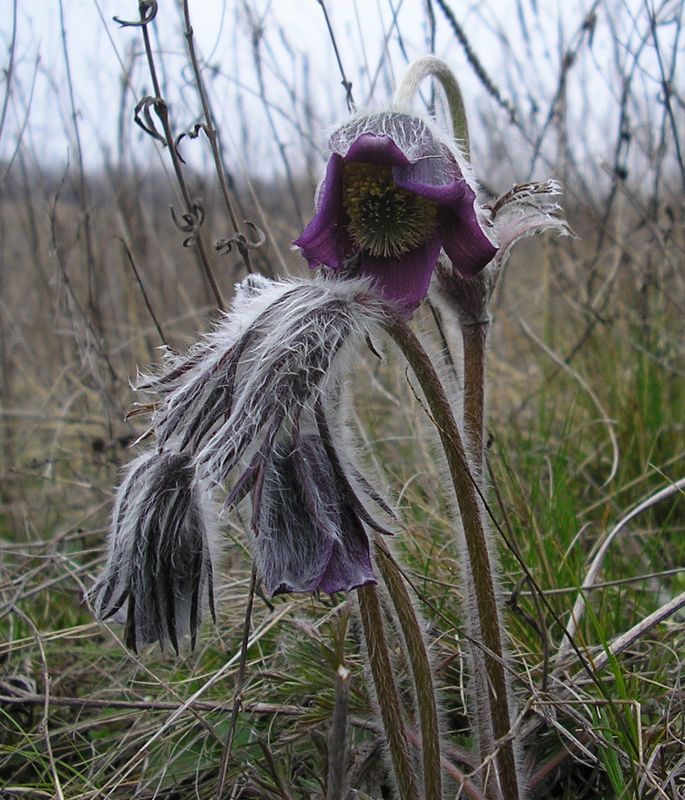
[(586, 401)]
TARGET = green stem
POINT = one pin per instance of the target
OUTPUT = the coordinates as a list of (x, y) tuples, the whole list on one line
[(386, 692), (474, 336), (420, 666), (486, 607), (432, 67)]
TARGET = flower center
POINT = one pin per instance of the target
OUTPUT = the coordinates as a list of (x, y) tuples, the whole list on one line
[(385, 220)]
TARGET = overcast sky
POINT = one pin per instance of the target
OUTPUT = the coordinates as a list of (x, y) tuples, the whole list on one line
[(521, 43)]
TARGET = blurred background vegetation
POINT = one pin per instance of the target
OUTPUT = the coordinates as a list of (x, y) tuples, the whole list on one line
[(586, 387)]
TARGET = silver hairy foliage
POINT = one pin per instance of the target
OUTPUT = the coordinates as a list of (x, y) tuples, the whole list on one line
[(238, 399), (268, 359), (525, 210), (159, 562)]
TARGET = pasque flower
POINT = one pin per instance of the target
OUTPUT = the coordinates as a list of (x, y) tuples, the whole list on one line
[(394, 195), (525, 210), (159, 562), (308, 518), (254, 407)]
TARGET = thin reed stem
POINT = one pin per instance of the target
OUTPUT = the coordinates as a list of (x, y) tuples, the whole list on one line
[(337, 737), (210, 131), (347, 85), (83, 194), (239, 686), (485, 605), (386, 692), (162, 111), (420, 667), (290, 180)]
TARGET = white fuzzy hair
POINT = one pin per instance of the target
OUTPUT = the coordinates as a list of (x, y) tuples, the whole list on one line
[(159, 560), (240, 396), (268, 359), (418, 136), (525, 210)]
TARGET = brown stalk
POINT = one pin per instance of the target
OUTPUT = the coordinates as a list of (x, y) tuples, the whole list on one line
[(386, 692), (162, 111), (420, 667), (210, 131), (480, 567)]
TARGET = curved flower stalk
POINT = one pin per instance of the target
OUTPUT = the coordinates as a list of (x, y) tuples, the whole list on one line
[(393, 197)]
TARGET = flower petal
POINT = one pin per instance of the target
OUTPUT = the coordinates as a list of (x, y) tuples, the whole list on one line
[(455, 193), (325, 240), (372, 149), (293, 559), (350, 563), (463, 239), (404, 280), (465, 242)]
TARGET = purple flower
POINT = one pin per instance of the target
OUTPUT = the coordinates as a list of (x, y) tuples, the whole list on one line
[(393, 196), (309, 521), (245, 408), (159, 562)]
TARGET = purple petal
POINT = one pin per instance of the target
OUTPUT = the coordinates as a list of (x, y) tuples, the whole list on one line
[(293, 570), (404, 280), (350, 562), (463, 239), (381, 150), (457, 193), (324, 240), (465, 242)]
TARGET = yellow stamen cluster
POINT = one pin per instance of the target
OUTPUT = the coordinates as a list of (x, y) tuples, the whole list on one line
[(385, 220)]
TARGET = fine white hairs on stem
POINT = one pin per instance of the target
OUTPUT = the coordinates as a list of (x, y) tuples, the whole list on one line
[(433, 67)]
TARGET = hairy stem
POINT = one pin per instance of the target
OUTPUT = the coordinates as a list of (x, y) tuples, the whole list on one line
[(474, 336), (485, 603), (386, 692), (420, 666), (432, 67)]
